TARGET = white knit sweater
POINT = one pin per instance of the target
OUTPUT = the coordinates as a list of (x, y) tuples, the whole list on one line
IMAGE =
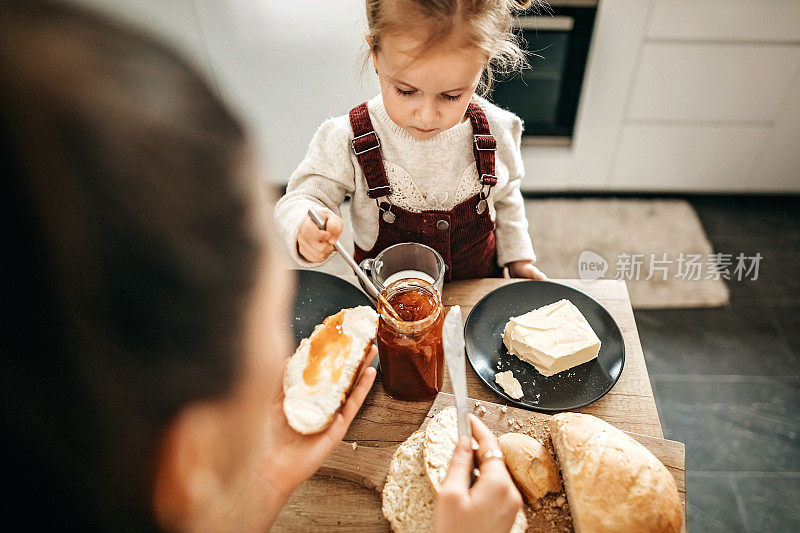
[(436, 173)]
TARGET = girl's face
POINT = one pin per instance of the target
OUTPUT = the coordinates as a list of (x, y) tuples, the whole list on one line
[(427, 93)]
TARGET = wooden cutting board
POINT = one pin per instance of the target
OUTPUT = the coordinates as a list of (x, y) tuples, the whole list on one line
[(368, 463)]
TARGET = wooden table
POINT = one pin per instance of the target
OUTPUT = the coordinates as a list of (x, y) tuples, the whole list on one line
[(325, 502)]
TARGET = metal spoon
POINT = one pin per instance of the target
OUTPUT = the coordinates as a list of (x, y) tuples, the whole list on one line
[(316, 219)]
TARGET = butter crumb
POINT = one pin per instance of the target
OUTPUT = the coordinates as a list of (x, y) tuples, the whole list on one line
[(354, 444), (509, 384), (504, 408)]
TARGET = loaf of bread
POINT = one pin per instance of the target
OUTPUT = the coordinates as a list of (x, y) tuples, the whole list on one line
[(531, 465), (324, 367), (613, 483), (441, 438)]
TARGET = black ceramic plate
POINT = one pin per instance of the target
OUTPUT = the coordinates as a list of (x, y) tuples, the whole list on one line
[(573, 388), (318, 295)]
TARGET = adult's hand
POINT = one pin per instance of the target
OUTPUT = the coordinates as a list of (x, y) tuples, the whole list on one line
[(491, 504), (291, 457)]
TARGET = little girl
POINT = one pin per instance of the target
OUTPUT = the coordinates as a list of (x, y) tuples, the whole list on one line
[(427, 160)]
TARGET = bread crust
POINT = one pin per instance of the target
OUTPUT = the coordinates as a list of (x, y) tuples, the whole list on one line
[(613, 483), (533, 467)]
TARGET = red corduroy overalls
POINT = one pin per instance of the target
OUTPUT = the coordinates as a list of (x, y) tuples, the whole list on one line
[(463, 236)]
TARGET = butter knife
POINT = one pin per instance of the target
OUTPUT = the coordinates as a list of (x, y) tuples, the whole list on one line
[(453, 341)]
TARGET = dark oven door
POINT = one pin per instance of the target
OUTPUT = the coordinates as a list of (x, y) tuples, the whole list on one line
[(546, 95)]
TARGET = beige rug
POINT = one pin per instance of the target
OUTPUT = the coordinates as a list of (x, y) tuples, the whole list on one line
[(610, 238), (636, 239)]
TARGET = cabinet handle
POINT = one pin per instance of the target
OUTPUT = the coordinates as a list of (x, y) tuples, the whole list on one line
[(545, 23)]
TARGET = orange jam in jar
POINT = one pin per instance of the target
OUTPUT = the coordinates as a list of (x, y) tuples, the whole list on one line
[(411, 353)]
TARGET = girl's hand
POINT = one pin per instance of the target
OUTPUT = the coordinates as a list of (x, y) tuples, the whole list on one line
[(292, 458), (314, 244), (493, 501), (524, 269)]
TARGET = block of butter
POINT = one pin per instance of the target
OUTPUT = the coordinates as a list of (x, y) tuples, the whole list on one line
[(553, 338)]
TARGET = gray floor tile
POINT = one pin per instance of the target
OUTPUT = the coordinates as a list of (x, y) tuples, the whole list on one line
[(747, 216), (771, 502), (734, 340), (778, 282), (789, 323), (730, 424), (712, 504)]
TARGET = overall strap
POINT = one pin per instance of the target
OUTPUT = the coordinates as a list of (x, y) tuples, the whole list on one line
[(366, 147), (484, 144)]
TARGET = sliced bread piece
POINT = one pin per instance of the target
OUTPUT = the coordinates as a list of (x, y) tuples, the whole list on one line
[(407, 500), (324, 367), (613, 483), (441, 438), (531, 465)]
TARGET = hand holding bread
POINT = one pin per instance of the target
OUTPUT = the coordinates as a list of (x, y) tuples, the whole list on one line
[(492, 503), (293, 457), (324, 367), (324, 385), (428, 486)]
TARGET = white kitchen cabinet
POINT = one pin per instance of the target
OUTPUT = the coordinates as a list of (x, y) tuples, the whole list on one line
[(665, 157), (725, 20), (616, 39), (712, 82), (778, 165), (689, 96)]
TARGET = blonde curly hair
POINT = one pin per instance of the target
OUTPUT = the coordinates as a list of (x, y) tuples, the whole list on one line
[(484, 24)]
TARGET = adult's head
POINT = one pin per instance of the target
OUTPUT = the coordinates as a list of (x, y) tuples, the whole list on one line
[(140, 296)]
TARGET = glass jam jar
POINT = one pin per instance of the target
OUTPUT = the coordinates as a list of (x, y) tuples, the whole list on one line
[(411, 352)]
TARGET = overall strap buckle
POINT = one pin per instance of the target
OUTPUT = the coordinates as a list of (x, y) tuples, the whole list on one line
[(485, 142), (369, 145), (488, 179), (385, 190)]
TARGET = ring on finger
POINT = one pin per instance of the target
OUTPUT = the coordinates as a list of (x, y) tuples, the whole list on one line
[(491, 454)]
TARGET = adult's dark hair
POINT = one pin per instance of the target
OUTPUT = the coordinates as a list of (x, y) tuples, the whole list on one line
[(128, 257)]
